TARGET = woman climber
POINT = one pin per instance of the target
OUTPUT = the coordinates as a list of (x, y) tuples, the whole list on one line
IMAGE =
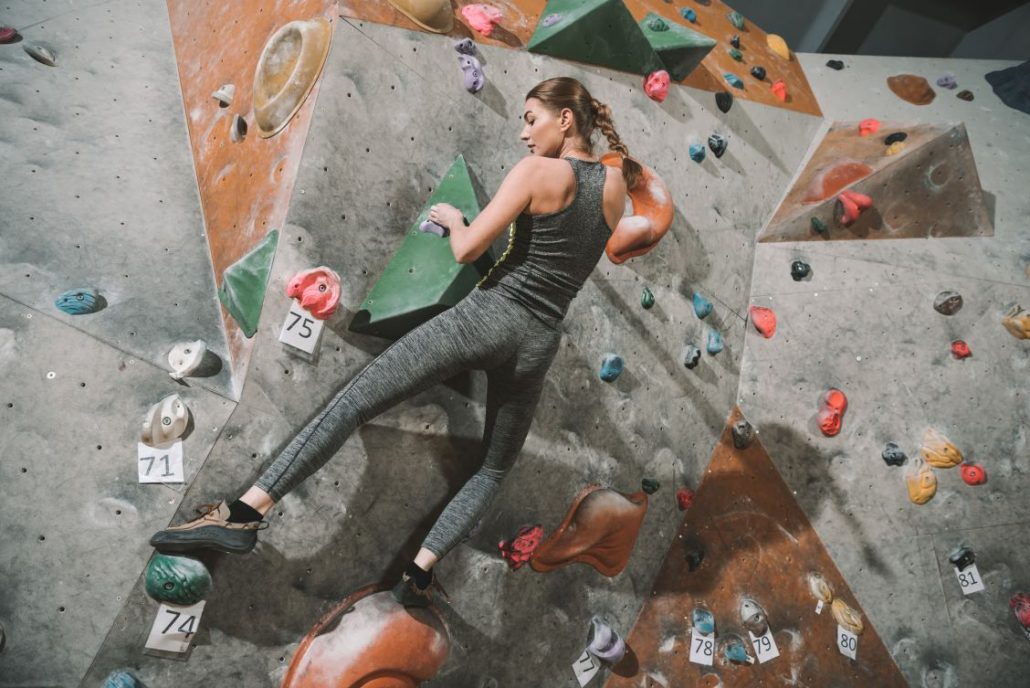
[(564, 203)]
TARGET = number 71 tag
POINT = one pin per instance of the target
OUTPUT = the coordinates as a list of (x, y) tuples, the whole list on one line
[(301, 330), (586, 667), (702, 648), (174, 627), (161, 464)]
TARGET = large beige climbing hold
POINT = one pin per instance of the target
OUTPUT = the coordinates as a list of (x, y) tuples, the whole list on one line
[(921, 482), (847, 617), (939, 451), (287, 70), (1017, 322), (432, 15), (778, 45)]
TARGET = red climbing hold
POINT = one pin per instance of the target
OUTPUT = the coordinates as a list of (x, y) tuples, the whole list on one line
[(779, 89), (1020, 603), (850, 205), (656, 85), (868, 127), (7, 34), (835, 403), (960, 350), (684, 498), (520, 548), (973, 474), (764, 320)]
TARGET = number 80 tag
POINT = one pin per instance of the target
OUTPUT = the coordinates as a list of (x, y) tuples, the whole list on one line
[(301, 330), (847, 642)]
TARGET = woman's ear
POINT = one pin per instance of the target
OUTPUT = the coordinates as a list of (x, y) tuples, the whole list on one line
[(565, 119)]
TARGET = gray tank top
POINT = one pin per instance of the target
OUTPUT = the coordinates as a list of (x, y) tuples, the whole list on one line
[(550, 256)]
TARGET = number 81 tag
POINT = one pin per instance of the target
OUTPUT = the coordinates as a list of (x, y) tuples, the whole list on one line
[(301, 330), (702, 648), (970, 580)]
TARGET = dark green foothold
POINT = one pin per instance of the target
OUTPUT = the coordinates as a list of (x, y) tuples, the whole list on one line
[(646, 298), (735, 41), (736, 54), (650, 485), (818, 225), (244, 283), (724, 100), (423, 279), (680, 49), (737, 19), (177, 580)]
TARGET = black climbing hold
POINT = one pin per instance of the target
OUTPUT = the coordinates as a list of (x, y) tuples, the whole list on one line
[(718, 143), (743, 434), (896, 137), (893, 455), (693, 552), (735, 41), (691, 356), (724, 100), (962, 557), (835, 64), (758, 72), (650, 485), (799, 270), (947, 303)]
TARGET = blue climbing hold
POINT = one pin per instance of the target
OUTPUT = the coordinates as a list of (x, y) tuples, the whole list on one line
[(79, 301), (703, 620), (714, 344), (733, 80), (734, 651), (122, 678), (697, 152), (689, 14), (611, 367), (702, 306)]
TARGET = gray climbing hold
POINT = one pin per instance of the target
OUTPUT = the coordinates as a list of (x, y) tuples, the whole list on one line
[(758, 72), (604, 642), (697, 152), (40, 54), (799, 270), (717, 143), (224, 95), (948, 303), (647, 298), (551, 19), (465, 46), (238, 132), (702, 306), (893, 455), (724, 100), (691, 356), (753, 617), (735, 41), (693, 553), (611, 367), (743, 434), (430, 227)]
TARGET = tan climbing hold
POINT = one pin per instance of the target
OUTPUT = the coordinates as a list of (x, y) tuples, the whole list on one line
[(1017, 322), (847, 617), (911, 88), (895, 148), (778, 45), (432, 15), (921, 482), (939, 451), (819, 587), (287, 70)]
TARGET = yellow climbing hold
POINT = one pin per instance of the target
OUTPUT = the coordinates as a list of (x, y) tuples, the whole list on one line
[(819, 587), (847, 617), (938, 450), (1017, 322), (921, 482), (778, 45), (895, 148)]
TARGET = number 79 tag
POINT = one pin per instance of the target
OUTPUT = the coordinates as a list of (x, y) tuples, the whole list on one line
[(301, 330)]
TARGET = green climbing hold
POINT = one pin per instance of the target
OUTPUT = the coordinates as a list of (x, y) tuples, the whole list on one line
[(679, 48), (646, 298), (818, 225), (656, 23), (650, 485), (736, 54), (423, 279), (177, 580), (737, 19), (244, 282)]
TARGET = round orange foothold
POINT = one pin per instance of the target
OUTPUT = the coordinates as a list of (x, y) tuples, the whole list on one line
[(973, 474), (831, 415), (764, 320), (868, 126), (640, 232), (960, 350)]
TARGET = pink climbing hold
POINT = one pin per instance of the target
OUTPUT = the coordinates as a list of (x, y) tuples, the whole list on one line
[(520, 548), (764, 320), (779, 89), (1020, 603), (482, 17), (7, 34), (684, 498), (973, 474), (831, 415), (850, 205), (960, 350), (869, 126), (318, 290), (656, 85)]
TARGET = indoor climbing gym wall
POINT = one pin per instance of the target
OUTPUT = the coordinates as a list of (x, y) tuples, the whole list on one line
[(773, 448)]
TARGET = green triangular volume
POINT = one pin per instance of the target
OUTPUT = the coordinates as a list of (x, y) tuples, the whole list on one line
[(244, 283), (680, 48)]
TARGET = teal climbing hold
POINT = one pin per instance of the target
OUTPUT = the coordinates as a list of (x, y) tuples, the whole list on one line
[(611, 367), (737, 19), (647, 298), (703, 620), (818, 225), (689, 14), (244, 283), (702, 306), (734, 651), (679, 48), (736, 54), (177, 580), (122, 678), (733, 80), (697, 152), (656, 23), (79, 301), (714, 344)]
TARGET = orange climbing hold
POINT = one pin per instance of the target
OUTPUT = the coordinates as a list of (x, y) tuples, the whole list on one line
[(868, 127), (779, 89), (778, 45), (640, 232), (831, 415), (850, 205), (1017, 321), (921, 482), (832, 178), (764, 320), (938, 450)]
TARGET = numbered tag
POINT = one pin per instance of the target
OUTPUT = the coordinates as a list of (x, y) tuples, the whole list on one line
[(586, 667), (162, 464), (847, 642), (174, 627), (702, 648), (819, 607), (969, 579), (765, 646), (301, 330)]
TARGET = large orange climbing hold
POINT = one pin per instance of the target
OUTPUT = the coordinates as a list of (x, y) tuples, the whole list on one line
[(939, 451), (764, 320), (599, 529), (640, 232), (832, 178), (921, 482), (868, 126), (831, 415), (778, 45), (1017, 321), (850, 205)]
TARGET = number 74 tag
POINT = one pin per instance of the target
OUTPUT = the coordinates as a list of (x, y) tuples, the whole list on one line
[(174, 627)]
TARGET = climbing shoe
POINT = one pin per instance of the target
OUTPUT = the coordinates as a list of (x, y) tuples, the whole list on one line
[(212, 530), (408, 594)]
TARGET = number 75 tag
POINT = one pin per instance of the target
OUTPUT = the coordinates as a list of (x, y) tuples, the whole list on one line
[(301, 330)]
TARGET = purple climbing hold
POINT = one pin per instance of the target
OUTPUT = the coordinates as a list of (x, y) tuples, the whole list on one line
[(758, 72), (472, 72), (947, 81), (724, 100), (604, 642), (551, 19), (7, 34), (430, 227)]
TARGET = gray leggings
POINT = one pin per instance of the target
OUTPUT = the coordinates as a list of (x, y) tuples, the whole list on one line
[(484, 331)]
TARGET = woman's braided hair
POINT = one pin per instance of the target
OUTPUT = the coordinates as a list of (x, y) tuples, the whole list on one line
[(590, 114)]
